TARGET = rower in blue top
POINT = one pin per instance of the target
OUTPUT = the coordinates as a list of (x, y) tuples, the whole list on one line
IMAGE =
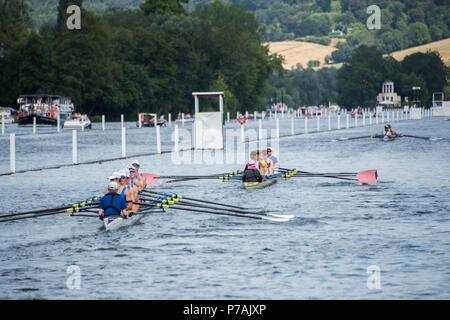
[(276, 163), (112, 203)]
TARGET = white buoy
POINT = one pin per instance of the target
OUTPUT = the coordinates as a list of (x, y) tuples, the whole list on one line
[(318, 122), (74, 147), (329, 122), (228, 117), (260, 129), (370, 118), (364, 119), (58, 122), (3, 125), (34, 125), (124, 143), (170, 119), (175, 139), (339, 122), (292, 126), (182, 119), (103, 122), (348, 120), (356, 119), (278, 128), (158, 139), (306, 124), (139, 121), (12, 152), (242, 134), (122, 120)]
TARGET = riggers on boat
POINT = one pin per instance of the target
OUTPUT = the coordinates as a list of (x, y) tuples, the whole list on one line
[(259, 185)]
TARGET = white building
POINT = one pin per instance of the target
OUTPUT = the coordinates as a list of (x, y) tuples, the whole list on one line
[(388, 98)]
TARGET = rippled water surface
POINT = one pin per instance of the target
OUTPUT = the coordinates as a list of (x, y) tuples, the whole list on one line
[(340, 228)]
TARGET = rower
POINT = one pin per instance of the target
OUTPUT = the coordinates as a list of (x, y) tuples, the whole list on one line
[(276, 163), (141, 180), (262, 164), (268, 162), (112, 203), (114, 177), (251, 172), (135, 189), (392, 132), (125, 190)]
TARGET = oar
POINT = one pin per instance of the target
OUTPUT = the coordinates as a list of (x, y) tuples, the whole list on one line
[(54, 210), (174, 195), (354, 138), (155, 178), (367, 176), (275, 219), (31, 216), (418, 137), (320, 173), (90, 201), (192, 204)]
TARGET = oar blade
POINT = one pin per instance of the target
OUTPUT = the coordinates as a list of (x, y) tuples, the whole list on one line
[(368, 176), (151, 177)]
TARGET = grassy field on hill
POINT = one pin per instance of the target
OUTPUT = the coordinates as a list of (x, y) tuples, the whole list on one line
[(301, 52), (442, 46), (295, 52)]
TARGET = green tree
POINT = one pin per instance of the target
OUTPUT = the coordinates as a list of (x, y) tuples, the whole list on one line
[(418, 33), (359, 80), (14, 31), (430, 67), (160, 7)]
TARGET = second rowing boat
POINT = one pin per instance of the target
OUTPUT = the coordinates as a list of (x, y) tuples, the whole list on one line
[(259, 185)]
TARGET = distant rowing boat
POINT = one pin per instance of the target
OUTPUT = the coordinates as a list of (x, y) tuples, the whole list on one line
[(387, 138)]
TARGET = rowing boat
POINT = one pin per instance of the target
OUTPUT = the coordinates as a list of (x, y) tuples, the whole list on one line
[(115, 222), (387, 138), (259, 185)]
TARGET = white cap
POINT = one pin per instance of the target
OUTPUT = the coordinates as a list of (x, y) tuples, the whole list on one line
[(125, 173), (130, 167), (269, 148), (113, 186), (136, 162)]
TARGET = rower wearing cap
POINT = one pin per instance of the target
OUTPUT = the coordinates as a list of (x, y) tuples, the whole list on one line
[(276, 163), (125, 190), (134, 188), (114, 177), (391, 132), (140, 178), (112, 203)]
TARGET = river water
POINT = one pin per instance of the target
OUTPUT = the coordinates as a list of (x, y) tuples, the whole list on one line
[(347, 241)]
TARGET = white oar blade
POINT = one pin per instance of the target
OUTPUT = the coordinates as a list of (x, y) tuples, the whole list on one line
[(276, 219)]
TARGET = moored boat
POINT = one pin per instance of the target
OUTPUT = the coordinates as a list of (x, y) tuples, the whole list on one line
[(6, 116), (148, 120), (44, 107), (78, 121)]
